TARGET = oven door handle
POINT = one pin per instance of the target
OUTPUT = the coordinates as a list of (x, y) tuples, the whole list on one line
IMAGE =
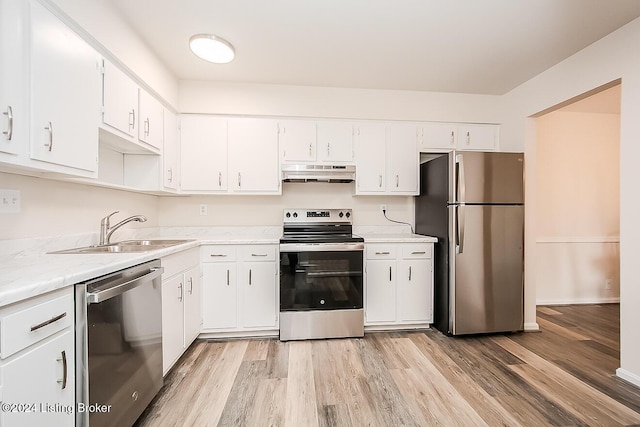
[(120, 288), (321, 247)]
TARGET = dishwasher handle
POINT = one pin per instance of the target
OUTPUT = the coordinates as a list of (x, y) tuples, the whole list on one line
[(120, 288)]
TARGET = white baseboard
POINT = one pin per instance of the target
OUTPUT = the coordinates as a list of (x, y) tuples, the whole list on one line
[(531, 327), (612, 300), (628, 376)]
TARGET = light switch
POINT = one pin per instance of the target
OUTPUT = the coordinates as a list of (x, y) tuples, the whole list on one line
[(9, 201)]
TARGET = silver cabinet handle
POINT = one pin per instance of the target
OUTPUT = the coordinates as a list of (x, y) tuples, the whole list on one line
[(218, 255), (418, 253), (397, 181), (9, 131), (50, 129), (249, 277), (328, 149), (380, 181), (239, 180), (259, 254), (132, 116), (48, 322), (409, 273), (382, 253), (65, 371), (190, 285), (453, 138), (180, 295), (170, 171), (389, 273), (147, 127), (227, 277), (220, 179), (468, 138), (310, 150)]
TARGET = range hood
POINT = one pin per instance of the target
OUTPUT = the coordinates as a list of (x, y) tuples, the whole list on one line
[(318, 173)]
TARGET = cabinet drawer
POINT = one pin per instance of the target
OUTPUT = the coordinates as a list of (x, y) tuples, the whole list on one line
[(179, 262), (417, 250), (218, 253), (33, 321), (381, 251), (258, 253)]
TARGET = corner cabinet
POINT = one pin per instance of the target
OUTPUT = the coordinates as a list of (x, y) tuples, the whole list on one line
[(399, 285), (240, 290), (37, 361), (181, 301), (387, 160)]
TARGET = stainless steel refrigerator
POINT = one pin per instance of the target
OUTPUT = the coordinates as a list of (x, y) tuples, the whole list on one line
[(473, 203)]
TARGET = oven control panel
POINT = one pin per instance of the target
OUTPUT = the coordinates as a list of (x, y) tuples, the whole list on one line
[(317, 216)]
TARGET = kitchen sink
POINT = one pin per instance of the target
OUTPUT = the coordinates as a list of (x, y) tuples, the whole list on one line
[(124, 246)]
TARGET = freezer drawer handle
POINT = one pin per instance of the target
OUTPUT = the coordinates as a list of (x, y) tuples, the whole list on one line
[(48, 322)]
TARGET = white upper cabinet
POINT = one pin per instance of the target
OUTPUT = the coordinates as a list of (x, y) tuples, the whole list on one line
[(170, 151), (65, 94), (403, 159), (297, 141), (335, 142), (203, 153), (459, 136), (150, 129), (13, 120), (386, 159), (120, 99), (253, 156), (371, 158)]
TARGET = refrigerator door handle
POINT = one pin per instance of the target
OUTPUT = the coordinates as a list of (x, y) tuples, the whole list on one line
[(461, 221), (462, 188)]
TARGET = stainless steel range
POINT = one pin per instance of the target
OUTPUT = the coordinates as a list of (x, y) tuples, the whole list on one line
[(321, 281)]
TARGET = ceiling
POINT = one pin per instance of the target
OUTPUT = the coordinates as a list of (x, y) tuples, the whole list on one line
[(468, 46)]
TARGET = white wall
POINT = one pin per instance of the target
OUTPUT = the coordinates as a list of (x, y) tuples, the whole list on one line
[(578, 215), (267, 210), (55, 208), (613, 57), (101, 20)]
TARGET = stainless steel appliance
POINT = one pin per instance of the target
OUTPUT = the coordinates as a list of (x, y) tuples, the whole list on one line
[(318, 173), (118, 345), (473, 203), (321, 281)]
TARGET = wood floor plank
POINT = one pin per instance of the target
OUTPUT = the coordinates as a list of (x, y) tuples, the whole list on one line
[(568, 333), (301, 407), (268, 407), (567, 386), (243, 393), (548, 310), (257, 350)]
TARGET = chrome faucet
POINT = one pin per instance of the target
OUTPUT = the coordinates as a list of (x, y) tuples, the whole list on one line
[(106, 231)]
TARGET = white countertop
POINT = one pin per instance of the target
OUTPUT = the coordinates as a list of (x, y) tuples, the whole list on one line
[(28, 270)]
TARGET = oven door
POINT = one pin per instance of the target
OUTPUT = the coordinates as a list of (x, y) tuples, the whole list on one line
[(321, 276)]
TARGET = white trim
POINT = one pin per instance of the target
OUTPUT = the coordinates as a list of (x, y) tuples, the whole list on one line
[(239, 334), (396, 327), (531, 327), (609, 300), (628, 376), (572, 239)]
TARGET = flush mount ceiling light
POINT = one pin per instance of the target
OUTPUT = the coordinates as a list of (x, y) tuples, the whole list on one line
[(212, 48)]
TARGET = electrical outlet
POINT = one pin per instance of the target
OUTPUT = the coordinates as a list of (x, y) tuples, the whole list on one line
[(204, 210), (10, 201), (383, 208)]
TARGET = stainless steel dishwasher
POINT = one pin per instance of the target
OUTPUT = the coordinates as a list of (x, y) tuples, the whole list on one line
[(118, 345)]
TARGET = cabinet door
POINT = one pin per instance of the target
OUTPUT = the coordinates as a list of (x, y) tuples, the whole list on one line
[(37, 376), (192, 305), (259, 284), (370, 159), (65, 94), (203, 153), (219, 295), (415, 287), (381, 291), (172, 320), (297, 140), (170, 172), (439, 136), (402, 159), (478, 137), (253, 156), (335, 142), (120, 100), (151, 120), (13, 120)]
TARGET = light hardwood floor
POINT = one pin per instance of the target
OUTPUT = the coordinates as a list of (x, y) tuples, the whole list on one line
[(562, 376)]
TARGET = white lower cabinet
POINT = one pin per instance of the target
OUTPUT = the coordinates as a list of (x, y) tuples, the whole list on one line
[(399, 285), (37, 380), (239, 289), (181, 313)]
